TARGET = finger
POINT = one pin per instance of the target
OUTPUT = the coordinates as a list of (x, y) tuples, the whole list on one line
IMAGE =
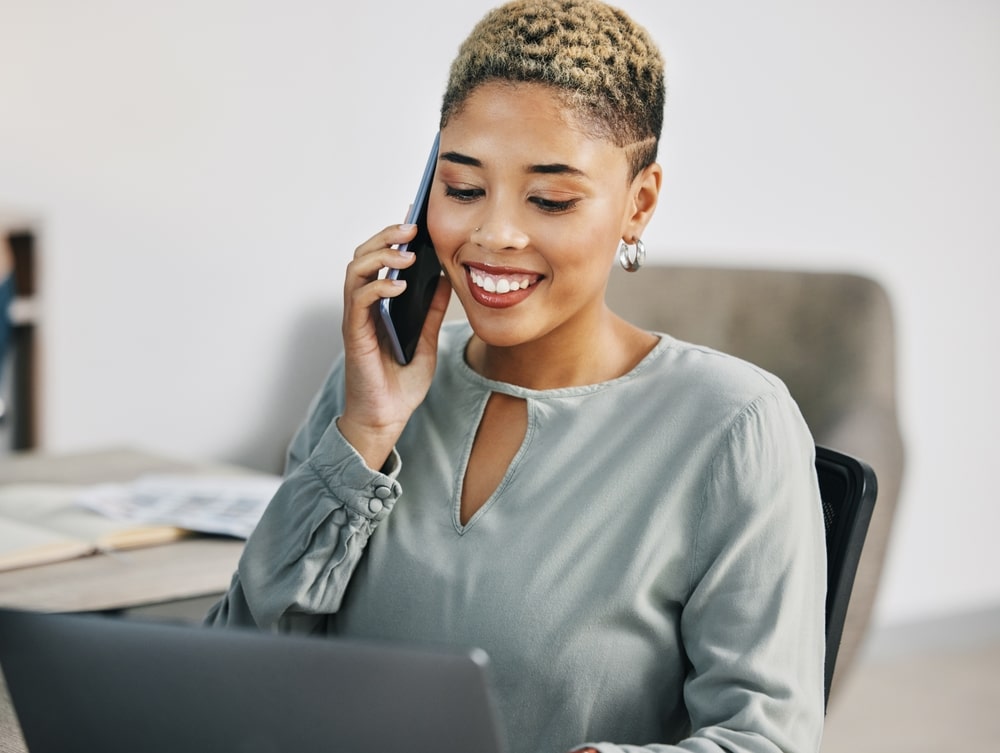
[(435, 317), (363, 298), (379, 252), (391, 236), (363, 283), (364, 269)]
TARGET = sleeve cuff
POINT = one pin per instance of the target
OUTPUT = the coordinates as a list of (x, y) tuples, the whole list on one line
[(365, 493)]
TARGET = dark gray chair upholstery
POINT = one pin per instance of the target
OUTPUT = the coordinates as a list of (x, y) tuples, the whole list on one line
[(848, 489)]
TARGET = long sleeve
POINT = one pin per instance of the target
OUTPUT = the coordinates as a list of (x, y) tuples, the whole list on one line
[(298, 561), (649, 577), (753, 625)]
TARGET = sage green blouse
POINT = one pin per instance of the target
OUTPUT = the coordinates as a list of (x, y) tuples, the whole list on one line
[(648, 576)]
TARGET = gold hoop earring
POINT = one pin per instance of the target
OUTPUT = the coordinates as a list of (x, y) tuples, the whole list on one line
[(631, 257)]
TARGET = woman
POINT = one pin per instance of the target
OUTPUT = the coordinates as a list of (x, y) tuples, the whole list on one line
[(629, 525)]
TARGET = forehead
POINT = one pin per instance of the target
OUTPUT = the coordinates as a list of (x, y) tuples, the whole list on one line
[(529, 118), (497, 94)]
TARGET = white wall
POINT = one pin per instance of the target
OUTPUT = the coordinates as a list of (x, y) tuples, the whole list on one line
[(201, 171)]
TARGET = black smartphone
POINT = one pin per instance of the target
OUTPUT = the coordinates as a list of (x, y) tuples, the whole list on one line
[(405, 314)]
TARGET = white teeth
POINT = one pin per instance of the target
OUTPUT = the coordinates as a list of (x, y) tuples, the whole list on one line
[(500, 283)]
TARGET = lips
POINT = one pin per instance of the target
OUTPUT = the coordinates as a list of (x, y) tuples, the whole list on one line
[(499, 288)]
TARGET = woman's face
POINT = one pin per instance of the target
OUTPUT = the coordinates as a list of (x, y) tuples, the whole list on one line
[(526, 214)]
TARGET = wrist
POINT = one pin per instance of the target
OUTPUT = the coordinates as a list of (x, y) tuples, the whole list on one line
[(373, 445)]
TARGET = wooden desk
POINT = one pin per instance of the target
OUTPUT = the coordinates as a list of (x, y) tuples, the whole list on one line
[(128, 580), (180, 570)]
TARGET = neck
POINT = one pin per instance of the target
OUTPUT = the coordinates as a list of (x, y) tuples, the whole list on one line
[(609, 351)]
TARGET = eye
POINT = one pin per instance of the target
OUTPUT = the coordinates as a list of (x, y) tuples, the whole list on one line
[(463, 194), (551, 206)]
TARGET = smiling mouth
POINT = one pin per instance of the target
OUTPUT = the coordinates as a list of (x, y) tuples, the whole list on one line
[(507, 282)]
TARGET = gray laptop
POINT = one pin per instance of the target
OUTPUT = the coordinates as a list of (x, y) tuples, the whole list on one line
[(91, 683)]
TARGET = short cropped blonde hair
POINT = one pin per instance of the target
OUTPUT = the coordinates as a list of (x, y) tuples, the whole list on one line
[(605, 65)]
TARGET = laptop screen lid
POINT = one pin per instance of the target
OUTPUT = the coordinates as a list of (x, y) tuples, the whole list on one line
[(91, 683)]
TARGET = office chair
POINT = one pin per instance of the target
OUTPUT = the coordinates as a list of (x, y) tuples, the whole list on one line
[(847, 489), (829, 336)]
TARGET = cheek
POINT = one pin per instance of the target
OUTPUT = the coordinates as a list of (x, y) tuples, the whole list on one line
[(443, 226), (598, 236)]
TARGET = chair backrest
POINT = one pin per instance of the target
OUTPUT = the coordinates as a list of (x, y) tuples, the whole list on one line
[(848, 488), (828, 335)]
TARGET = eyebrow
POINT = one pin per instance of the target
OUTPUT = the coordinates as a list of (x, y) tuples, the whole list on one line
[(555, 168), (460, 159)]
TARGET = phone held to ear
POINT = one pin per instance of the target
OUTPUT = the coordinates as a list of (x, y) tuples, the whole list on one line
[(405, 314)]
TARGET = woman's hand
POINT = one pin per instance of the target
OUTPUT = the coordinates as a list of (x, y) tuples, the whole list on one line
[(380, 393)]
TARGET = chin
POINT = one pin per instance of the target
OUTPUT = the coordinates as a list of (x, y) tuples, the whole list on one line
[(497, 333)]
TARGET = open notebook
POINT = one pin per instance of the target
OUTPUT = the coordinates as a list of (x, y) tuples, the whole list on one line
[(81, 684), (42, 523)]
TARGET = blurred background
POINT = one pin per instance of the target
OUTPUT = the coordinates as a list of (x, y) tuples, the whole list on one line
[(197, 174)]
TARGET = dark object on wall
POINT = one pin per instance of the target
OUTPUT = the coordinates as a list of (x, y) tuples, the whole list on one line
[(23, 411)]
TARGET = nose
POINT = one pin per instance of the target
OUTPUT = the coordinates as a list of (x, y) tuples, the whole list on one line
[(498, 232)]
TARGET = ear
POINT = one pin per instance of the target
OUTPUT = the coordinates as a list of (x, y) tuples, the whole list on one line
[(644, 193)]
